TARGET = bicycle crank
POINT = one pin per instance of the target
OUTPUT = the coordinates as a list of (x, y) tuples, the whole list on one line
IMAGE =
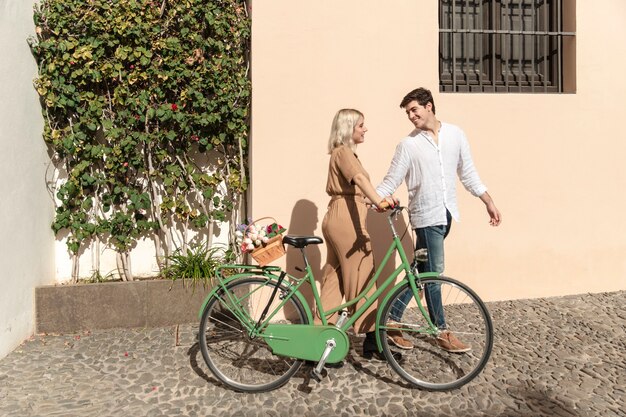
[(317, 371)]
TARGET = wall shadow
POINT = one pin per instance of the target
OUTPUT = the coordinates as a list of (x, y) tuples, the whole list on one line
[(303, 222), (378, 227)]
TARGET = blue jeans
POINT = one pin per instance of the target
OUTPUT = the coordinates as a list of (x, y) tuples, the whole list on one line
[(431, 238)]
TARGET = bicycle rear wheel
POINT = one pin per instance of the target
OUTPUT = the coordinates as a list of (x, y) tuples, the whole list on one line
[(428, 365), (239, 361)]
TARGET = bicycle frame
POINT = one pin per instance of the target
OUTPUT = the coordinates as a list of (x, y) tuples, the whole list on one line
[(292, 285), (405, 266)]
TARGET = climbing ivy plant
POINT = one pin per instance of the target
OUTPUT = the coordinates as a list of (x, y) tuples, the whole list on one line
[(146, 107)]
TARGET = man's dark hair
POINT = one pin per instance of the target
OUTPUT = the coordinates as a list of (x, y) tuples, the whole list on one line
[(421, 95)]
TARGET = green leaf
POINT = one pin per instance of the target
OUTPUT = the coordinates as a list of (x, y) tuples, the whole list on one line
[(208, 193)]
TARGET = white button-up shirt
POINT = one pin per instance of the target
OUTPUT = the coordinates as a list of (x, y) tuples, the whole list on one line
[(430, 174)]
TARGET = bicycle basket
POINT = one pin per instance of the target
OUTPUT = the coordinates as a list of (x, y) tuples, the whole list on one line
[(272, 250)]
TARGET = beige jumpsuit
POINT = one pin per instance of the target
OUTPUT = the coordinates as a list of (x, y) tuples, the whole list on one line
[(350, 261)]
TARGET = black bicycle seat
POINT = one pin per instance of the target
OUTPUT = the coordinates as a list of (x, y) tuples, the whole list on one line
[(302, 241)]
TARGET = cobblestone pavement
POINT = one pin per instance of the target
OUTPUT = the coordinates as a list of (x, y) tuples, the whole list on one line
[(562, 356)]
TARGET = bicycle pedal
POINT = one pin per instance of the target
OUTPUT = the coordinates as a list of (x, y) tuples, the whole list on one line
[(421, 255), (318, 376)]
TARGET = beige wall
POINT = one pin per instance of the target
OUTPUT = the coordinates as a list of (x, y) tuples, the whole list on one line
[(27, 249), (553, 163)]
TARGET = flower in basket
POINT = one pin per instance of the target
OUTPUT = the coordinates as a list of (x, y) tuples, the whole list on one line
[(274, 229), (251, 236)]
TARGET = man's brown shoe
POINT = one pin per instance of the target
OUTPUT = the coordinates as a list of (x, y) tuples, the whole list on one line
[(448, 342), (395, 337)]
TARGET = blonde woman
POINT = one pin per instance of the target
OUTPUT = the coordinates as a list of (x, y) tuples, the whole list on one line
[(350, 262)]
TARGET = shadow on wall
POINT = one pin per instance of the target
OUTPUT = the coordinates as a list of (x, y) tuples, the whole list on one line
[(304, 219), (378, 227)]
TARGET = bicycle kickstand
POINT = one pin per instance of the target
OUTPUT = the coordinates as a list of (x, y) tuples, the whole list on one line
[(316, 372)]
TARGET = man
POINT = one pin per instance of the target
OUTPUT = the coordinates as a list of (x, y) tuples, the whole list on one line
[(427, 160)]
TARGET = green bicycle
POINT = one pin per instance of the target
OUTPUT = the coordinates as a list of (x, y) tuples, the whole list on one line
[(257, 329)]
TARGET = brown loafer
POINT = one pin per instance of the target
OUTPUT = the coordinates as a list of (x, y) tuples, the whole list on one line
[(396, 338), (448, 342)]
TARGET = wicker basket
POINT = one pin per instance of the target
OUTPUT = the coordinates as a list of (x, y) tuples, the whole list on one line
[(272, 250)]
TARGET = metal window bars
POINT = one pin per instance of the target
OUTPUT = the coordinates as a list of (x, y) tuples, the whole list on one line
[(501, 45)]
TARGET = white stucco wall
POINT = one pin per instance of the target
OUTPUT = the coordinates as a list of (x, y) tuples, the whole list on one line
[(27, 248), (143, 258)]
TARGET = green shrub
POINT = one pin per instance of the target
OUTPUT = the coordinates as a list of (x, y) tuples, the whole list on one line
[(195, 265)]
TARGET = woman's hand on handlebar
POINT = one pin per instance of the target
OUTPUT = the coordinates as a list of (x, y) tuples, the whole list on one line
[(387, 203)]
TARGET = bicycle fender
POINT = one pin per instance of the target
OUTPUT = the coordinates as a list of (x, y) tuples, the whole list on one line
[(269, 277), (381, 306)]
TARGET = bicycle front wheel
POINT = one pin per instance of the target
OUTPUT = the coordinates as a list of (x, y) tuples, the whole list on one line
[(443, 359), (242, 362)]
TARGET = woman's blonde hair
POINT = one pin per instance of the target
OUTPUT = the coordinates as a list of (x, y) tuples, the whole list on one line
[(342, 129)]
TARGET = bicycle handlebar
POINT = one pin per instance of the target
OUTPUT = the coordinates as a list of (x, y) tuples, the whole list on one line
[(394, 209)]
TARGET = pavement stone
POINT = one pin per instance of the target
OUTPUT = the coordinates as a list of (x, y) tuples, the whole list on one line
[(559, 356)]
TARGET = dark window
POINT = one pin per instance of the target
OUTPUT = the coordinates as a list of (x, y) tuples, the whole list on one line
[(507, 46)]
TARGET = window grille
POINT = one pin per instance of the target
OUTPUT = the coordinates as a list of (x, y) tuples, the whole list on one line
[(506, 46)]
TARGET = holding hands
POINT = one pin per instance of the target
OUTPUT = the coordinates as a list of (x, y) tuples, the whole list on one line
[(386, 203)]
